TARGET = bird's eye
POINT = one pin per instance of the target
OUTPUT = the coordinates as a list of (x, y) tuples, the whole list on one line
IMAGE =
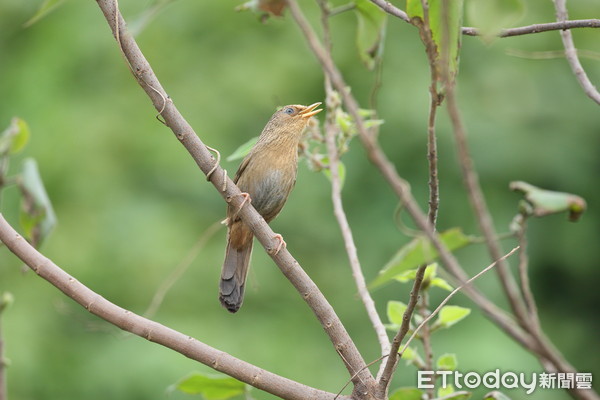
[(289, 110)]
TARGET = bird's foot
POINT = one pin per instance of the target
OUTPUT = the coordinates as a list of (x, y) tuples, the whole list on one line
[(281, 244)]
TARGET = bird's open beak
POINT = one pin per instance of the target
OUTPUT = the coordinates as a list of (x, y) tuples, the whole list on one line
[(308, 112)]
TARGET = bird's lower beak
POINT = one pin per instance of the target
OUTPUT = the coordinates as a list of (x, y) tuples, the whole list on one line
[(308, 112)]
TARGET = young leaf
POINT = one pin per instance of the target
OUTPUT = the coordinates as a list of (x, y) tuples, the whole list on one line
[(6, 300), (46, 7), (210, 386), (395, 311), (370, 32), (545, 202), (450, 315), (407, 393), (449, 394), (243, 150), (441, 283), (417, 252), (37, 215), (496, 395), (15, 137), (447, 362), (442, 392), (341, 171)]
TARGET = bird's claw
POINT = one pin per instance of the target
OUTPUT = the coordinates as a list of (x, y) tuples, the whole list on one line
[(281, 244)]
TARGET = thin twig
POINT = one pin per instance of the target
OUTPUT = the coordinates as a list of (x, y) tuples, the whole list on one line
[(400, 187), (426, 337), (571, 53), (3, 388), (537, 28), (179, 270), (519, 31), (456, 290), (265, 235), (150, 330), (392, 361), (524, 275), (331, 132)]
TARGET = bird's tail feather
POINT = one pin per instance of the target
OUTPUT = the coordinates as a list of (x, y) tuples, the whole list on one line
[(233, 276)]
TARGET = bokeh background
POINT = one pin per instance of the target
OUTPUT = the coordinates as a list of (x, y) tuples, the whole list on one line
[(131, 203)]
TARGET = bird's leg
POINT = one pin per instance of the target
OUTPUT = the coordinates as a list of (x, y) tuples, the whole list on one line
[(281, 244)]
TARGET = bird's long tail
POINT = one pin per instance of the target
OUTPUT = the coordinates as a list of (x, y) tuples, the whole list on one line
[(233, 275)]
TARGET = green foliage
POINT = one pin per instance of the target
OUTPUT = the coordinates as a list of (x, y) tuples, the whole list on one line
[(447, 362), (395, 311), (448, 393), (496, 395), (211, 387), (6, 300), (15, 137), (407, 393), (243, 150), (540, 202), (370, 32), (417, 252), (37, 215), (445, 22), (450, 315), (430, 278)]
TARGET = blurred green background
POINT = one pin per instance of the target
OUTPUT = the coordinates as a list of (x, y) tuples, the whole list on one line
[(131, 203)]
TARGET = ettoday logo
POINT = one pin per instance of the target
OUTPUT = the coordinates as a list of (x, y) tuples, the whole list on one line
[(505, 380)]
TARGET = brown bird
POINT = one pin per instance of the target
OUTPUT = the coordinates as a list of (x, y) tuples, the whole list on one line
[(266, 176)]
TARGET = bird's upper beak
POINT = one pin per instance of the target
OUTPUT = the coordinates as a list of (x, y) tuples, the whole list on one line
[(308, 111)]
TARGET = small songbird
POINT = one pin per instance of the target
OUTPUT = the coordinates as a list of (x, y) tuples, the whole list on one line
[(266, 178)]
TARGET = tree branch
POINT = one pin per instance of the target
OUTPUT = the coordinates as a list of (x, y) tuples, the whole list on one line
[(571, 53), (150, 330), (332, 103), (228, 190), (519, 31), (400, 187)]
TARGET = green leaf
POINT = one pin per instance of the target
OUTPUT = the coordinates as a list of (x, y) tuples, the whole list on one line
[(496, 395), (446, 48), (6, 300), (407, 393), (243, 150), (15, 137), (341, 170), (491, 16), (212, 387), (448, 393), (417, 252), (395, 311), (370, 32), (441, 283), (45, 9), (543, 202), (37, 215), (447, 362), (445, 391), (450, 315)]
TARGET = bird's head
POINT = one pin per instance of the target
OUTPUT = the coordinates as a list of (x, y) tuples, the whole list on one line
[(294, 117)]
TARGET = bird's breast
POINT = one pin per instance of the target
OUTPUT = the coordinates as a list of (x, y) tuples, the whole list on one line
[(269, 179)]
